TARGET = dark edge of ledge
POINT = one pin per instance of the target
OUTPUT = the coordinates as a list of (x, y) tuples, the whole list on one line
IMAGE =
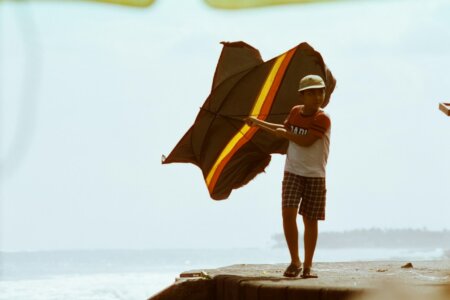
[(187, 289), (232, 287)]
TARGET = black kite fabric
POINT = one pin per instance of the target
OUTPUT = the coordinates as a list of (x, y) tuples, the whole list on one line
[(228, 151)]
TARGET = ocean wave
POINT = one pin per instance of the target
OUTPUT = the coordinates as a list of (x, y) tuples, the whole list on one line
[(123, 286)]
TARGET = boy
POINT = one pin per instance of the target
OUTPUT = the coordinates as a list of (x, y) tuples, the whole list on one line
[(308, 130)]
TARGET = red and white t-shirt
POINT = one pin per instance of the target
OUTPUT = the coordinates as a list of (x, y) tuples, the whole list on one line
[(308, 161)]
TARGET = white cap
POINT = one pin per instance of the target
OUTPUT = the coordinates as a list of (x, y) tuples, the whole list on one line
[(311, 82)]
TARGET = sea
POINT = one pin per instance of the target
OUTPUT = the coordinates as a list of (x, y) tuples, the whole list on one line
[(139, 274)]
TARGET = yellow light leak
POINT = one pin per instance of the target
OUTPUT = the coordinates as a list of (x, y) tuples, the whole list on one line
[(238, 4)]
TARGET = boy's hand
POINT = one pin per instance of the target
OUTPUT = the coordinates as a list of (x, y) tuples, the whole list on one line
[(281, 132), (251, 121)]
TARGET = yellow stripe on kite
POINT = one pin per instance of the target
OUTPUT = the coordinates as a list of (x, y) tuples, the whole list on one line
[(228, 148), (254, 112)]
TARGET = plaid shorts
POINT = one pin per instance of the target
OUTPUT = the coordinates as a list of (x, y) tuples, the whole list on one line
[(309, 192)]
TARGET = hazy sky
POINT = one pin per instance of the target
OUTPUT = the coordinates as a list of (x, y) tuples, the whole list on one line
[(93, 94)]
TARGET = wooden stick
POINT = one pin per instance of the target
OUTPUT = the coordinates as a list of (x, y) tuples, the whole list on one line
[(445, 107)]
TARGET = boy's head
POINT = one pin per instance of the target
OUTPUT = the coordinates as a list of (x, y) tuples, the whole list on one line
[(312, 91)]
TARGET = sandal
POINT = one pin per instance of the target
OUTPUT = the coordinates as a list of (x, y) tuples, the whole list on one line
[(307, 274), (292, 271)]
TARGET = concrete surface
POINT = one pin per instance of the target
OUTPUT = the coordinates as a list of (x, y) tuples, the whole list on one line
[(428, 280)]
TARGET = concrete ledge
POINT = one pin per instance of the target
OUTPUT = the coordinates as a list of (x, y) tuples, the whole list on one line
[(187, 289), (230, 287), (337, 281)]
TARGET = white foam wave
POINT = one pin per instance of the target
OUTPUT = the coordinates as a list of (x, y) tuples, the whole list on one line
[(129, 286)]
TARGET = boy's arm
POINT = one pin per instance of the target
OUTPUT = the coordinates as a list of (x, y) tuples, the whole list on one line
[(317, 130), (280, 130), (270, 127)]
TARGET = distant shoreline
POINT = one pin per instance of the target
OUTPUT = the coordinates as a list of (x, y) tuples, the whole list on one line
[(378, 238)]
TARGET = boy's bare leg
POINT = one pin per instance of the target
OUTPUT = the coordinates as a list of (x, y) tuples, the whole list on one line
[(310, 240), (291, 233)]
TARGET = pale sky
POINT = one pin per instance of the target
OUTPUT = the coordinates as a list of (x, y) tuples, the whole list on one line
[(93, 94)]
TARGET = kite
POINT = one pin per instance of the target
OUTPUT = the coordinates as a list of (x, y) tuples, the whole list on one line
[(228, 151)]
